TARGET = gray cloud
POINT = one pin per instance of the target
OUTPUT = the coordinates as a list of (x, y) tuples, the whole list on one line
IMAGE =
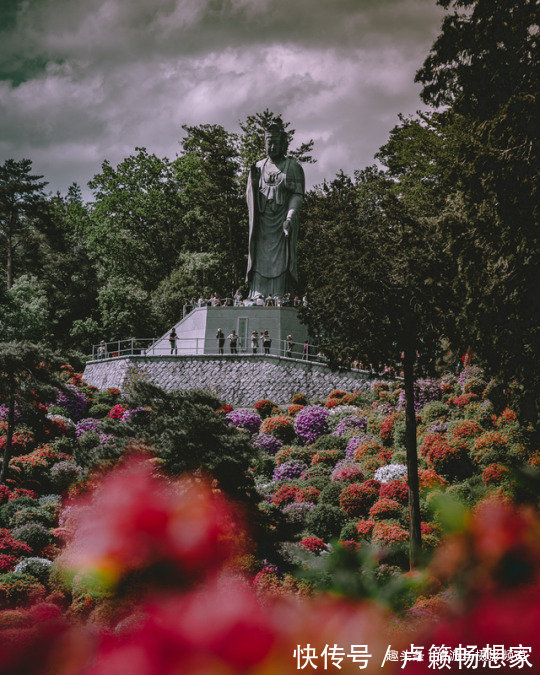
[(95, 79)]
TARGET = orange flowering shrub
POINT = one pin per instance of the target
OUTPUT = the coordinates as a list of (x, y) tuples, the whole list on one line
[(294, 409), (280, 426), (490, 447)]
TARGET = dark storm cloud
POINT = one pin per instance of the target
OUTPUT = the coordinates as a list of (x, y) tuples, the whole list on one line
[(83, 81)]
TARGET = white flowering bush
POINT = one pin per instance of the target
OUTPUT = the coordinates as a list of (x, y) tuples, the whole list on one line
[(61, 418), (390, 472)]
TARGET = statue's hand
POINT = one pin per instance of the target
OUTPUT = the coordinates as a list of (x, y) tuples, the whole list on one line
[(286, 226)]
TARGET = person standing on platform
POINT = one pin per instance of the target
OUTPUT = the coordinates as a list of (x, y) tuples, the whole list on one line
[(233, 341), (254, 342), (220, 337), (172, 341), (289, 344), (267, 342)]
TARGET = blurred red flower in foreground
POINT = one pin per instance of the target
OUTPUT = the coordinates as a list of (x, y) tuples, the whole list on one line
[(135, 521)]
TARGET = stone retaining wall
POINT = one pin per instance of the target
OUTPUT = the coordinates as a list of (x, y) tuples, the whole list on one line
[(239, 380)]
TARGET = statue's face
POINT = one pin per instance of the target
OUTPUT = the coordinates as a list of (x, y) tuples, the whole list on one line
[(274, 145)]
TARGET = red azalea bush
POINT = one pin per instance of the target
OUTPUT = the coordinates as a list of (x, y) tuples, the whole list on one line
[(313, 544), (386, 428), (451, 460), (286, 494), (5, 493), (463, 400), (506, 417), (308, 494), (135, 520), (333, 403), (369, 449), (356, 499), (224, 409), (294, 409), (365, 528), (280, 426), (429, 479), (19, 444), (495, 474), (299, 399), (384, 509), (117, 412), (389, 533), (466, 429), (265, 408), (395, 489), (490, 447), (326, 457), (7, 562)]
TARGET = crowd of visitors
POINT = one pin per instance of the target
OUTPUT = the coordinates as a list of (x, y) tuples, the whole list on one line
[(239, 301)]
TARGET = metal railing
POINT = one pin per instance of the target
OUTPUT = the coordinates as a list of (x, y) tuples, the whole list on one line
[(162, 346), (237, 302)]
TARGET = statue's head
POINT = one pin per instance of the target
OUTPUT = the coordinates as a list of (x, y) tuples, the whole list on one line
[(275, 139)]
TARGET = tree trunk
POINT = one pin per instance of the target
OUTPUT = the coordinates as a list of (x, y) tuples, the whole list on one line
[(9, 438), (415, 535), (9, 261)]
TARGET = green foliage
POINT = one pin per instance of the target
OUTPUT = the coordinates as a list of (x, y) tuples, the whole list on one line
[(34, 534), (189, 435), (99, 410), (331, 493), (325, 521)]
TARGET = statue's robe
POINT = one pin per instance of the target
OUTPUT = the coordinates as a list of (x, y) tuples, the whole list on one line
[(272, 267)]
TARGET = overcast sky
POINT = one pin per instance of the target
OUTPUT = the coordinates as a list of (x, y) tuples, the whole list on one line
[(85, 80)]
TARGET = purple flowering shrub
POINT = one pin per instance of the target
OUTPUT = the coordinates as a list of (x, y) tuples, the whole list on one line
[(353, 422), (73, 402), (139, 414), (244, 419), (311, 422), (424, 391), (267, 443), (87, 424), (289, 471), (297, 511)]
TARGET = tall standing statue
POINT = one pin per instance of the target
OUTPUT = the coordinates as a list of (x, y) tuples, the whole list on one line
[(275, 191)]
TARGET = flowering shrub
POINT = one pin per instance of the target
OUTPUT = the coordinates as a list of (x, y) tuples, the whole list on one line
[(356, 499), (244, 419), (299, 399), (326, 457), (11, 546), (439, 427), (389, 533), (308, 494), (436, 410), (7, 562), (397, 490), (286, 494), (425, 391), (506, 417), (296, 512), (267, 443), (449, 459), (294, 409), (265, 408), (384, 509), (368, 449), (365, 528), (355, 442), (490, 447), (288, 471), (313, 544), (495, 474), (469, 373), (117, 412), (19, 589), (135, 520), (311, 422), (5, 493), (224, 409), (465, 429), (87, 424), (36, 567), (139, 414), (280, 426), (429, 479), (390, 472), (463, 400), (347, 473), (73, 402), (350, 423)]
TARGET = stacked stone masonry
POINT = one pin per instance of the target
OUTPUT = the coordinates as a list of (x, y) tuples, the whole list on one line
[(239, 380)]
